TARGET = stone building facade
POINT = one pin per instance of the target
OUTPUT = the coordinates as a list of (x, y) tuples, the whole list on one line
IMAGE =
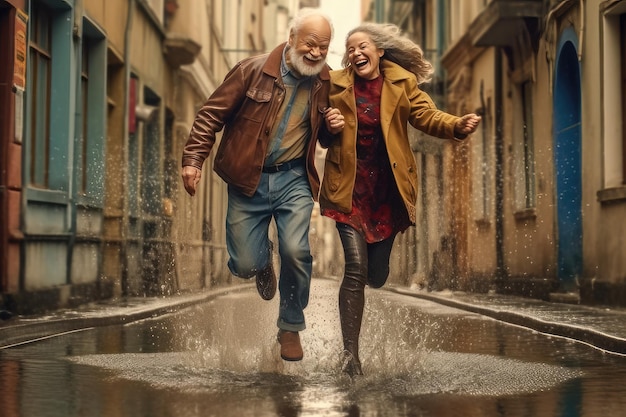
[(535, 203), (97, 100)]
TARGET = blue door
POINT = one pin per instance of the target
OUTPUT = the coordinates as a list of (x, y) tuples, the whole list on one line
[(567, 155)]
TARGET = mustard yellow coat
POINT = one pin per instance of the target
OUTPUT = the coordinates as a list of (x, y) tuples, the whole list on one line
[(401, 101)]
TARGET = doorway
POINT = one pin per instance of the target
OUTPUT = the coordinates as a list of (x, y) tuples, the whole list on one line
[(567, 162)]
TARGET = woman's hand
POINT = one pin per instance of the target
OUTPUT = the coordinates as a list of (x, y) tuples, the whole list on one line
[(466, 125), (334, 120)]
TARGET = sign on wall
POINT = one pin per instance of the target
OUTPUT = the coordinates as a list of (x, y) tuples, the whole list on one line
[(19, 72), (19, 62)]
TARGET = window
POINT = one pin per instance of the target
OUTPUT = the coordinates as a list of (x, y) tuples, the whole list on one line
[(91, 125), (133, 150), (50, 103), (151, 156), (482, 173), (40, 66), (613, 81), (529, 145), (84, 133), (523, 149)]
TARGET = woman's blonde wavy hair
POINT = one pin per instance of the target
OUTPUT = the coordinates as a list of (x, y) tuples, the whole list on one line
[(397, 47)]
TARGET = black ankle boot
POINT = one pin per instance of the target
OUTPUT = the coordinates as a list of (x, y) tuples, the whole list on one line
[(350, 365)]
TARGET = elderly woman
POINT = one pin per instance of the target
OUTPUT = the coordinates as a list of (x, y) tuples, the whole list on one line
[(370, 175)]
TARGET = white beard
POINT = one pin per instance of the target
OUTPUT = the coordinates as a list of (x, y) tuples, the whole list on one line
[(297, 61)]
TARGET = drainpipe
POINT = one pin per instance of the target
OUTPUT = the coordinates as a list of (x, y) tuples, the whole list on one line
[(441, 28), (499, 149), (485, 114), (125, 148), (78, 13), (581, 34)]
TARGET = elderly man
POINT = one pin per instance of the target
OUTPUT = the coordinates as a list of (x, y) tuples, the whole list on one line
[(273, 109)]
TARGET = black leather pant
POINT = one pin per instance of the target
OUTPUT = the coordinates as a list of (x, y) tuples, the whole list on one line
[(365, 263)]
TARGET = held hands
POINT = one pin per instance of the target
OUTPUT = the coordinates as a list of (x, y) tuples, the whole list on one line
[(334, 120), (191, 178), (466, 125)]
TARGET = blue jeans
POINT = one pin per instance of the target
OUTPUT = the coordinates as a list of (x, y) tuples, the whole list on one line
[(286, 197)]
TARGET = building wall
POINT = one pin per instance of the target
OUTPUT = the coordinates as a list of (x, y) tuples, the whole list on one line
[(112, 218), (529, 245), (511, 239), (12, 18), (603, 61), (482, 208), (523, 256)]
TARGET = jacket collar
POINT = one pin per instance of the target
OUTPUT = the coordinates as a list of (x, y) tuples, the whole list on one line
[(390, 96)]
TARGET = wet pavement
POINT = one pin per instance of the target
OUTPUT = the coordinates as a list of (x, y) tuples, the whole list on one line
[(215, 354), (601, 327)]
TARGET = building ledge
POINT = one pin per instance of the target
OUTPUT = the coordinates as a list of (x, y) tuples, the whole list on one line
[(502, 21), (612, 195), (526, 214), (180, 50)]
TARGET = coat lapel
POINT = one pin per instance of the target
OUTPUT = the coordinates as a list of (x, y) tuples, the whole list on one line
[(391, 94)]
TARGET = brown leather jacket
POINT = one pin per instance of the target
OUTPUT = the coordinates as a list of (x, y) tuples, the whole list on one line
[(246, 105)]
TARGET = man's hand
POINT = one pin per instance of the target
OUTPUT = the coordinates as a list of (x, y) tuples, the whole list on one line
[(467, 125), (334, 120), (191, 178)]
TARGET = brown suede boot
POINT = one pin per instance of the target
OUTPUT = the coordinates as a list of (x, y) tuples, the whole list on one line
[(266, 282), (290, 347)]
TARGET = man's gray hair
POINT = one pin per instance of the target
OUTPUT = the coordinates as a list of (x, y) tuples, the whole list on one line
[(306, 12)]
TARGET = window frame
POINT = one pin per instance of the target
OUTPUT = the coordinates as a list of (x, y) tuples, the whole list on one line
[(39, 96), (89, 163), (59, 116), (613, 84)]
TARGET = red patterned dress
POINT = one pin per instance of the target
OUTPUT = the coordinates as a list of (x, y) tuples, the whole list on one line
[(377, 209)]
